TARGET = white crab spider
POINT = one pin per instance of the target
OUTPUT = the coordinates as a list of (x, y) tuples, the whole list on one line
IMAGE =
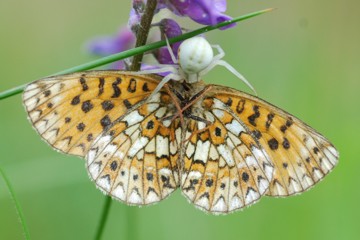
[(195, 59)]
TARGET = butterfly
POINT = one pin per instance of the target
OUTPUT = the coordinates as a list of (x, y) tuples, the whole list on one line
[(223, 148)]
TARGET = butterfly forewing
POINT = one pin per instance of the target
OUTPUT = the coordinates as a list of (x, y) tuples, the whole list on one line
[(301, 157), (70, 111)]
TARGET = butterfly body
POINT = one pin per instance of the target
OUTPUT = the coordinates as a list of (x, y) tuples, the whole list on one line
[(223, 148)]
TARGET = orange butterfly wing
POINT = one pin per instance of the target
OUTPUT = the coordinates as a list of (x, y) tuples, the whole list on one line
[(70, 111), (300, 155)]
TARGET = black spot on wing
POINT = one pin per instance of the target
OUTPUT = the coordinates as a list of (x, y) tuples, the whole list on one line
[(113, 165), (87, 106), (270, 118), (132, 86), (47, 93), (116, 89), (101, 86), (252, 118), (105, 121), (273, 144), (286, 143), (240, 106), (107, 105), (80, 127), (83, 84), (145, 87), (75, 100), (127, 104)]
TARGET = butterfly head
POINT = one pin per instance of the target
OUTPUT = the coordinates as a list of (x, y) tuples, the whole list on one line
[(194, 55)]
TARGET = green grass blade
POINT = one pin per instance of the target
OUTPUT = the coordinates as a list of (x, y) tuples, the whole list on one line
[(138, 50), (17, 205), (103, 219)]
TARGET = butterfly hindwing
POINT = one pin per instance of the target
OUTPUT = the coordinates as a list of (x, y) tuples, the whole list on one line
[(135, 160), (224, 167)]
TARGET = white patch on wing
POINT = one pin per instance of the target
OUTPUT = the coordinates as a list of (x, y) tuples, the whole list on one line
[(94, 170), (165, 172), (202, 151), (178, 135), (134, 198), (203, 202), (226, 154), (57, 99), (129, 131), (103, 140), (236, 141), (201, 125), (251, 196), (166, 123), (155, 98), (259, 155), (190, 150), (235, 127), (195, 175), (213, 153), (330, 155), (91, 155), (152, 197), (235, 203), (119, 192), (133, 118), (161, 112), (137, 145), (152, 107), (218, 113), (220, 206), (162, 146), (104, 183), (251, 161), (209, 116), (263, 186), (150, 148), (140, 154), (173, 148)]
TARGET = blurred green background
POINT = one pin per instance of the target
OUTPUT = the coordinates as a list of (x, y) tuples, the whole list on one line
[(303, 57)]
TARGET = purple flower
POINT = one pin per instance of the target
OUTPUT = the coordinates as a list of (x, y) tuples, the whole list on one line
[(207, 12), (136, 13), (106, 45), (169, 28)]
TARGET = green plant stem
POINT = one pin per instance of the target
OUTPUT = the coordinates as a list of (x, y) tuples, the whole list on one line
[(143, 33), (138, 50), (17, 205), (103, 219), (132, 224)]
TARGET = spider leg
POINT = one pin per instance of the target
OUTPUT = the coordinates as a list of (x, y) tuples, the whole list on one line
[(172, 55), (167, 68), (221, 53), (167, 78), (229, 68)]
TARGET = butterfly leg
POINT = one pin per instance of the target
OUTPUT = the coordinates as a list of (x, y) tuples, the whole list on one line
[(196, 118), (176, 103), (192, 100)]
